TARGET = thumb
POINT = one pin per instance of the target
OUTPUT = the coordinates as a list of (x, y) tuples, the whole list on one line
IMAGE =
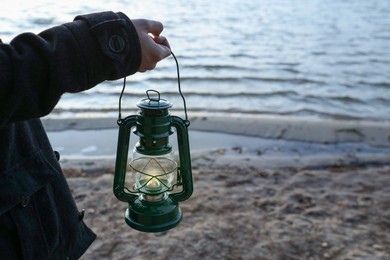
[(162, 41)]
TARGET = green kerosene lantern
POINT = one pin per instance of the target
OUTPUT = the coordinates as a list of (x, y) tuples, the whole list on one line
[(152, 181)]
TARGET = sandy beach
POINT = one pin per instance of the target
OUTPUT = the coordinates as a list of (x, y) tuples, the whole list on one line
[(264, 188)]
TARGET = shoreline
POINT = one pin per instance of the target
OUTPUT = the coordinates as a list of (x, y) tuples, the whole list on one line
[(219, 140), (278, 127)]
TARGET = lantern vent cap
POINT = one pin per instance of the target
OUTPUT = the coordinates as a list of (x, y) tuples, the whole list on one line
[(154, 101)]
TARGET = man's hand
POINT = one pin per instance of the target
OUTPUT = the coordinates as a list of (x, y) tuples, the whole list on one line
[(154, 46)]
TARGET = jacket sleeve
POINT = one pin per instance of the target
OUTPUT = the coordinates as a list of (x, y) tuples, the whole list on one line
[(35, 70)]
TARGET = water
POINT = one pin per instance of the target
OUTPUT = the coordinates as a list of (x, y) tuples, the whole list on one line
[(309, 58)]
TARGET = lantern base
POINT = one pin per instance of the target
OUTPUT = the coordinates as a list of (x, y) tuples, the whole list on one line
[(153, 216)]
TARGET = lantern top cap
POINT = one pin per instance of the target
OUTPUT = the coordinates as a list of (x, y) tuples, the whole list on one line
[(154, 102)]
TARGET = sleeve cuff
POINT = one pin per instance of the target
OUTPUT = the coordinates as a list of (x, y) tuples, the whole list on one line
[(118, 40)]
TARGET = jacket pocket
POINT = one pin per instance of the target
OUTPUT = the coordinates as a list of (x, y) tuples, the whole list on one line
[(18, 183), (27, 196), (38, 236)]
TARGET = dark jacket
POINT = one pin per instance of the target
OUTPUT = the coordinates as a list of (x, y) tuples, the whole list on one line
[(38, 216)]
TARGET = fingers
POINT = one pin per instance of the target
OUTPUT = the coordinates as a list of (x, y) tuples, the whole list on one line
[(165, 51), (162, 41), (148, 26), (154, 46), (154, 27), (163, 44)]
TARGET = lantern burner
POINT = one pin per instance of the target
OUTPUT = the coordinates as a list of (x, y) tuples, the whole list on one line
[(153, 175)]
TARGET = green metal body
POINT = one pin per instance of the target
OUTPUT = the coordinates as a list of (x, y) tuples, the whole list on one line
[(154, 216), (153, 126)]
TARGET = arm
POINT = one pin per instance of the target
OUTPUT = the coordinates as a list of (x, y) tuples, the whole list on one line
[(35, 70)]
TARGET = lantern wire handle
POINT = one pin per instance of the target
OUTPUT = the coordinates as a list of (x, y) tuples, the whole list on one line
[(179, 87), (120, 100)]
